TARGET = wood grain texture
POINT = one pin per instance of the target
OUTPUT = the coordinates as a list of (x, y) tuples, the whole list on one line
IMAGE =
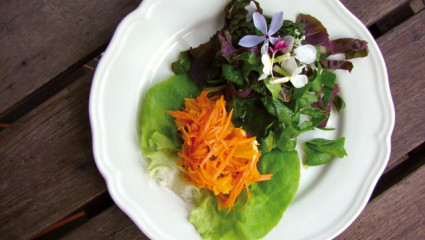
[(417, 5), (110, 224), (41, 39), (47, 169), (370, 11), (404, 52), (46, 165), (399, 213)]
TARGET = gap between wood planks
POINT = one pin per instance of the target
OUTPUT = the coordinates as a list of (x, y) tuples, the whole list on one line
[(413, 160), (396, 17), (391, 20), (51, 88)]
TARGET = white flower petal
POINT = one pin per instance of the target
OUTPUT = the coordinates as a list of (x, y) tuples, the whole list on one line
[(306, 53), (263, 76), (280, 80), (297, 71), (267, 62), (265, 48), (251, 8), (289, 65), (299, 81)]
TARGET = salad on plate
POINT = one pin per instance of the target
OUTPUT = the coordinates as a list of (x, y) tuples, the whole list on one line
[(222, 132)]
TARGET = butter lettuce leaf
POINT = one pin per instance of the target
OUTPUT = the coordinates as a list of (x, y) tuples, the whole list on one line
[(168, 95), (268, 201)]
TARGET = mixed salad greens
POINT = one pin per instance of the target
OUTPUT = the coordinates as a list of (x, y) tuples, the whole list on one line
[(278, 82)]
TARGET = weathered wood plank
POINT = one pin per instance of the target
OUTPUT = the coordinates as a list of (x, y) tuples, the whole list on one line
[(41, 39), (405, 57), (110, 224), (47, 169), (399, 213), (370, 11), (57, 132), (417, 5)]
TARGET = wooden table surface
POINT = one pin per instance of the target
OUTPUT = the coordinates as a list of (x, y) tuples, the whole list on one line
[(50, 187)]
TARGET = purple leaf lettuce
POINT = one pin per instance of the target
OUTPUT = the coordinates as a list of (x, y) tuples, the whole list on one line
[(315, 32), (337, 64)]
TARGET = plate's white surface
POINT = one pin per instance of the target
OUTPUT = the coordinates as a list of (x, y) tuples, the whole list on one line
[(149, 39)]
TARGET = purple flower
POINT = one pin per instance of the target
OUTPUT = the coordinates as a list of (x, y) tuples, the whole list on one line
[(260, 23)]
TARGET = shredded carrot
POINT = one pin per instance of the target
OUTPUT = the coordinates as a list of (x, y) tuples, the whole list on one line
[(215, 155)]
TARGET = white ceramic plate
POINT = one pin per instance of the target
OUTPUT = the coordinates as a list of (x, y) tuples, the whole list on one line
[(148, 40)]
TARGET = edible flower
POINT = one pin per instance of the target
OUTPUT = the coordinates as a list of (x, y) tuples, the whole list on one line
[(306, 53), (290, 67), (280, 44), (268, 66), (260, 23), (251, 8)]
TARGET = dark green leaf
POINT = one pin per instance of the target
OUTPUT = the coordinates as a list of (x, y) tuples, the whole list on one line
[(327, 95), (204, 66), (284, 114), (274, 89), (320, 151), (334, 147), (339, 103), (251, 114), (268, 143), (315, 158), (287, 139), (299, 92), (316, 82), (306, 100), (232, 74), (182, 65), (328, 78)]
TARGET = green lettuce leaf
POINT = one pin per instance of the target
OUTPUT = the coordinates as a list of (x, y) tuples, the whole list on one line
[(164, 96), (319, 151), (268, 201), (183, 64)]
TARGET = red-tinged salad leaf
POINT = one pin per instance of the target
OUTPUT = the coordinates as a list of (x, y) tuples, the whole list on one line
[(227, 50), (353, 48), (231, 91), (330, 90), (337, 64), (328, 99), (315, 32)]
